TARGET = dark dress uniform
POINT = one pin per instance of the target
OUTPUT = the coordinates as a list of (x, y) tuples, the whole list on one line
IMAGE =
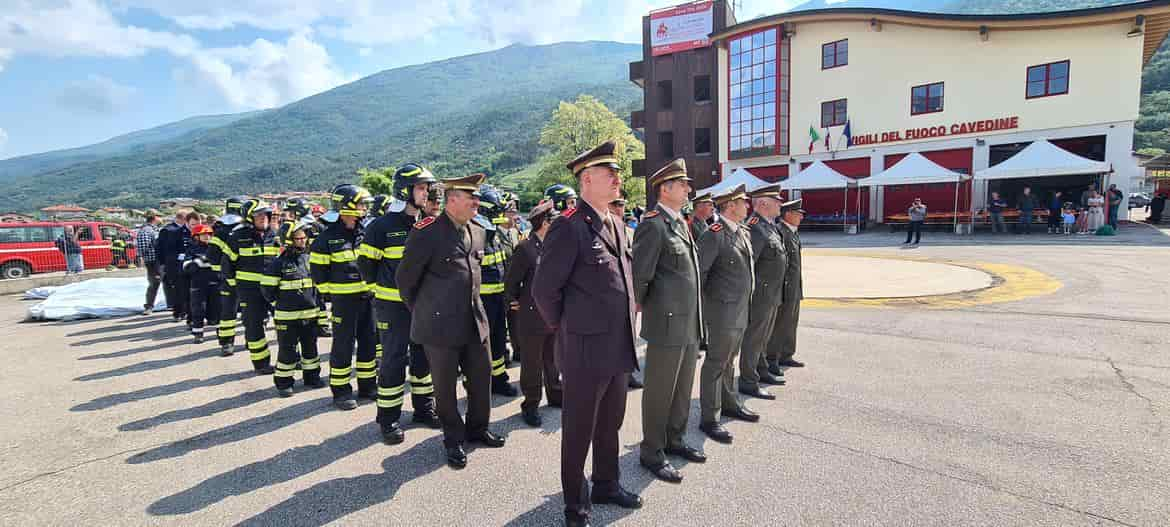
[(251, 252), (439, 280), (204, 289), (583, 288), (771, 265), (171, 244), (288, 284), (727, 274), (379, 256), (667, 286), (782, 345), (534, 338), (229, 306), (333, 261), (491, 292)]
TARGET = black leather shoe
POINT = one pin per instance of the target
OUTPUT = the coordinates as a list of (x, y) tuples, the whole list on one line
[(314, 382), (344, 403), (488, 439), (284, 392), (775, 380), (430, 419), (392, 434), (636, 383), (792, 363), (741, 413), (758, 393), (227, 350), (622, 498), (687, 452), (665, 472), (456, 457), (265, 370), (504, 388), (774, 369), (576, 519), (717, 432), (532, 417)]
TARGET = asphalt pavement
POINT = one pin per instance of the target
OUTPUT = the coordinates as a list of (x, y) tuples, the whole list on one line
[(1044, 410)]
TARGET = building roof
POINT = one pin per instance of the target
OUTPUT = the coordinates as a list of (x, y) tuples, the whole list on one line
[(64, 208), (1156, 13)]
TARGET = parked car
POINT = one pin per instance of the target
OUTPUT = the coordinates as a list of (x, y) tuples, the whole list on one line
[(1139, 200), (27, 248)]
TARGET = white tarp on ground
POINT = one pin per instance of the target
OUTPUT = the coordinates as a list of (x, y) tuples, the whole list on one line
[(39, 293), (738, 177), (1042, 158), (817, 176), (914, 169), (97, 298)]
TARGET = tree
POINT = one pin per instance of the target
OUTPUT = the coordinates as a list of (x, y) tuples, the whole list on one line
[(576, 127), (377, 180)]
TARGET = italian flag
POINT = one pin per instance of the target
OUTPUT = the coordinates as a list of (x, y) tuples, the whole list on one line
[(813, 137)]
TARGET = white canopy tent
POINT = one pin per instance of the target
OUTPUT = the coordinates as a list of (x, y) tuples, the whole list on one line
[(916, 169), (819, 176), (738, 177), (1042, 158)]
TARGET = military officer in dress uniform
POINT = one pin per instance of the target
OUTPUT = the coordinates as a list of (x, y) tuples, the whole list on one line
[(703, 216), (782, 345), (771, 264), (727, 274), (439, 280), (666, 286), (583, 288)]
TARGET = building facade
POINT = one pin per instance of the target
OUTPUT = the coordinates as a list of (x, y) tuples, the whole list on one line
[(861, 88)]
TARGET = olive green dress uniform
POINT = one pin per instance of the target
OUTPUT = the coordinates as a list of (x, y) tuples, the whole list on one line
[(666, 285), (439, 280), (698, 227), (771, 265), (782, 345), (727, 274)]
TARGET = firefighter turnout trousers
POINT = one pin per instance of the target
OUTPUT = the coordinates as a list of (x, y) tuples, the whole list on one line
[(393, 322), (229, 312), (493, 304), (289, 334), (255, 309), (353, 321), (205, 304)]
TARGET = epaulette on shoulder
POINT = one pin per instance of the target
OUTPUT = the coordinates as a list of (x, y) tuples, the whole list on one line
[(420, 224), (569, 212), (717, 227), (754, 220), (650, 214)]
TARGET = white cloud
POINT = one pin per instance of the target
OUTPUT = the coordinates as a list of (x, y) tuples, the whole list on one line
[(5, 54), (365, 52), (79, 28), (96, 94), (3, 140)]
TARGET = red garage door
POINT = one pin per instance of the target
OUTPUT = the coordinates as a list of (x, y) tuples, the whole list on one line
[(823, 204), (938, 197)]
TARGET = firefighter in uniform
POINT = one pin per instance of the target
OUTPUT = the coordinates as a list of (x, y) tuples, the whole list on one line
[(494, 263), (333, 261), (562, 196), (378, 257), (299, 210), (288, 285), (204, 282), (250, 248), (118, 253), (378, 207), (216, 252)]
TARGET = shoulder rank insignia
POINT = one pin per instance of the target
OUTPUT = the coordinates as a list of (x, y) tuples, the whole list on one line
[(650, 214), (754, 220), (569, 212), (424, 222), (717, 227)]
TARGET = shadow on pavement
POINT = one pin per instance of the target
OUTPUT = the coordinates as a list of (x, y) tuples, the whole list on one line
[(135, 351), (214, 407), (108, 401), (162, 333), (243, 430), (332, 500), (150, 365), (125, 325), (290, 464)]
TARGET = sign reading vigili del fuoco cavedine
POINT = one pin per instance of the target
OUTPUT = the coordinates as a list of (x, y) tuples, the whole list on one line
[(931, 132)]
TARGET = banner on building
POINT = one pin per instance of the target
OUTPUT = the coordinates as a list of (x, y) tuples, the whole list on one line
[(681, 28)]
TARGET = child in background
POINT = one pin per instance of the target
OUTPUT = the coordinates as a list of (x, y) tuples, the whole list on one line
[(1068, 218), (1082, 220)]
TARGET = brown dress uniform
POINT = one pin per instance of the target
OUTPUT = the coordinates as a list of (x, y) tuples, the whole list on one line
[(533, 338), (666, 285), (584, 289), (439, 280), (727, 274)]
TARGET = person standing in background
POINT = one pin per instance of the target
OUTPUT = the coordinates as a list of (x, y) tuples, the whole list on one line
[(145, 243), (70, 246), (1027, 205), (170, 248), (1055, 212), (995, 207), (917, 213), (1115, 198)]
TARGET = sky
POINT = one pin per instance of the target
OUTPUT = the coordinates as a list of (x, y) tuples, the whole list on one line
[(77, 72)]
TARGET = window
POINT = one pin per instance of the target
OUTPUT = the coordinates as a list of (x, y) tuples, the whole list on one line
[(24, 234), (927, 98), (665, 95), (834, 113), (109, 232), (702, 88), (702, 140), (752, 87), (835, 54), (84, 233), (1048, 79), (666, 144)]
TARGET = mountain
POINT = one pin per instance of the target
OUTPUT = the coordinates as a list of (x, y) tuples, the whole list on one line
[(123, 144), (479, 112)]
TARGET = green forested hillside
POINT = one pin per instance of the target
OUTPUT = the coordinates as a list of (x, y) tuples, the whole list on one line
[(475, 113)]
